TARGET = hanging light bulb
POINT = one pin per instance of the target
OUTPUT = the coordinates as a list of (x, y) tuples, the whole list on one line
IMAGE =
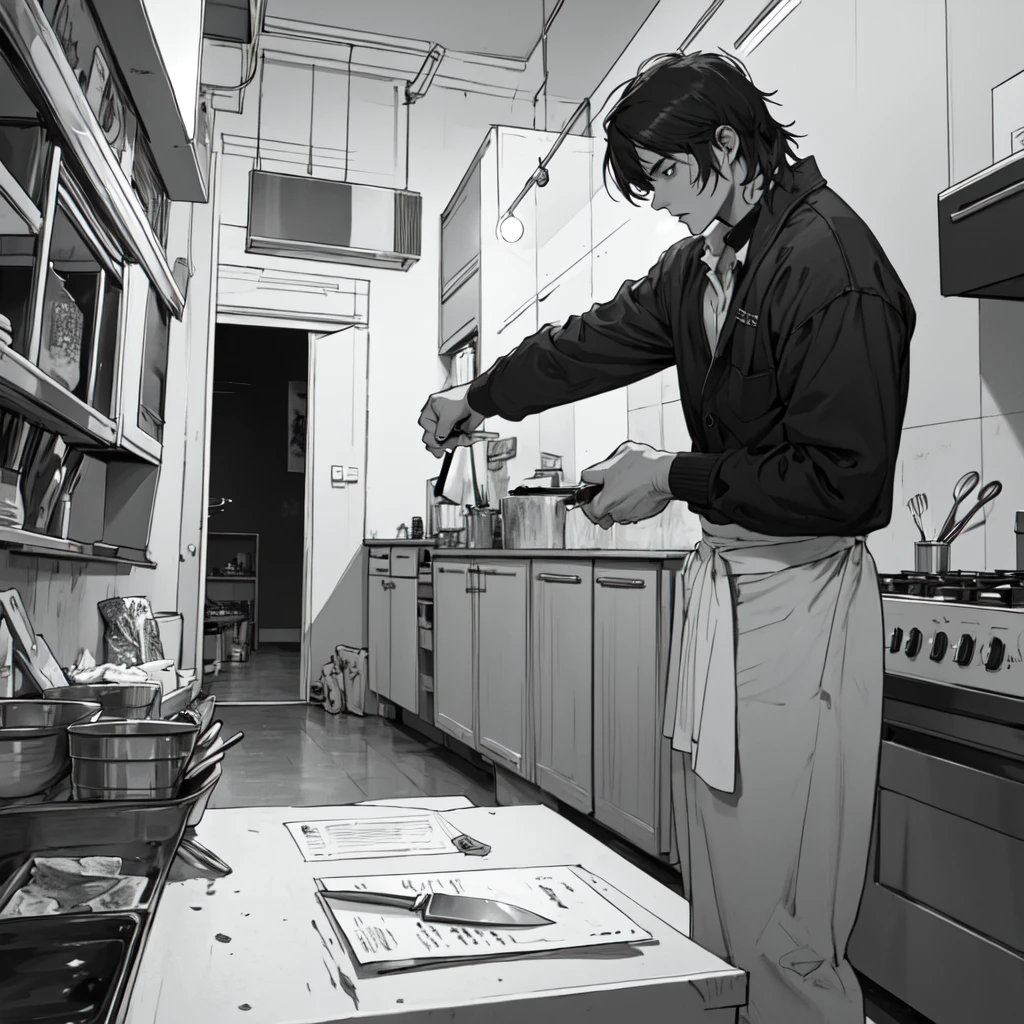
[(510, 228)]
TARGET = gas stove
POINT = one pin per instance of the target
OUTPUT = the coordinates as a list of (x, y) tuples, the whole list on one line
[(960, 628)]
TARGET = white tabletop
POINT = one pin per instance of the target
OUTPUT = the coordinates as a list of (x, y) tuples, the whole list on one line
[(283, 965)]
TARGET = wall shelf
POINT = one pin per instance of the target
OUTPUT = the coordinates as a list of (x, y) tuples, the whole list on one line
[(232, 579), (37, 545)]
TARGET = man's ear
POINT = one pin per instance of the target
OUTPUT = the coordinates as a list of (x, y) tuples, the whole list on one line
[(727, 141)]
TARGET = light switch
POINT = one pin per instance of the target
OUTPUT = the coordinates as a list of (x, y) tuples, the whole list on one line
[(351, 474), (337, 474)]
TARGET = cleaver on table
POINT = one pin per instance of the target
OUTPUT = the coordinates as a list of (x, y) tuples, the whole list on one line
[(470, 911)]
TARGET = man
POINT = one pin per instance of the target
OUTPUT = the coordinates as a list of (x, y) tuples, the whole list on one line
[(790, 331)]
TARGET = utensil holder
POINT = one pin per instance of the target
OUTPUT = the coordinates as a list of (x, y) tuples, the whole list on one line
[(931, 557)]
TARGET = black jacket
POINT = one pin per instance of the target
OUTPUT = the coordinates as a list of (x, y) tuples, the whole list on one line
[(796, 421)]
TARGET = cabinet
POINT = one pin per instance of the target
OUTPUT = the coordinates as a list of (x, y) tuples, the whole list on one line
[(561, 610), (502, 664), (392, 634), (630, 755), (454, 649)]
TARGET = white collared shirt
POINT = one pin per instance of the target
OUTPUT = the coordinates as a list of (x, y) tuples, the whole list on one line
[(719, 291)]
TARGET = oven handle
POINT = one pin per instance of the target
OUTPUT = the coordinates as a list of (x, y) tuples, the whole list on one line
[(955, 788)]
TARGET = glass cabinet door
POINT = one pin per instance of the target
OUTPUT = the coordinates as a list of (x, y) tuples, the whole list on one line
[(153, 390)]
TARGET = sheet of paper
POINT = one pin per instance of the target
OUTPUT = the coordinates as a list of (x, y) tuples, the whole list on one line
[(373, 832), (581, 915)]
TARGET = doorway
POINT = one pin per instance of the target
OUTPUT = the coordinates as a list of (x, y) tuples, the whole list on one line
[(253, 616)]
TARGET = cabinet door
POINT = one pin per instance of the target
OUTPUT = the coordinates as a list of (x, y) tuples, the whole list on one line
[(460, 230), (378, 628), (562, 679), (627, 736), (453, 650), (404, 676), (502, 666)]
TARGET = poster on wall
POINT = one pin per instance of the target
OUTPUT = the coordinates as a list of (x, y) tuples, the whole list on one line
[(296, 426)]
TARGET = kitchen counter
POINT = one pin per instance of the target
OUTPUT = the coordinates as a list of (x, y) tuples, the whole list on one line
[(377, 542), (587, 554), (258, 940)]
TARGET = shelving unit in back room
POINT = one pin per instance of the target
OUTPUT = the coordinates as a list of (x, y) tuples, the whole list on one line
[(240, 587)]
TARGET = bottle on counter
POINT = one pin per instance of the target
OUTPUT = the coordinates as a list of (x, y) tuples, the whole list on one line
[(417, 528)]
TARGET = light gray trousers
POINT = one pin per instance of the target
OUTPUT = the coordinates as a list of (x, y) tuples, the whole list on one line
[(774, 871)]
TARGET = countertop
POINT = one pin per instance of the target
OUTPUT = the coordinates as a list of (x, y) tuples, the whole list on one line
[(258, 941), (398, 542), (576, 554)]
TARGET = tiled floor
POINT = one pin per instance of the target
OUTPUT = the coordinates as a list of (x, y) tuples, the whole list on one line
[(271, 673), (301, 756)]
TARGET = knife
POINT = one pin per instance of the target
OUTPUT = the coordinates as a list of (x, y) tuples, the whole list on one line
[(438, 906)]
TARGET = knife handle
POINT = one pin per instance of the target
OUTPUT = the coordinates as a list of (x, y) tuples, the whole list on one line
[(379, 898)]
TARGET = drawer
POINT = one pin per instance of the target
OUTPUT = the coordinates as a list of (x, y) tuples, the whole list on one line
[(380, 561), (405, 562)]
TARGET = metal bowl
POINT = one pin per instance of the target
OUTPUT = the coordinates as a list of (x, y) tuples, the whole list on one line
[(119, 700), (34, 743), (129, 760)]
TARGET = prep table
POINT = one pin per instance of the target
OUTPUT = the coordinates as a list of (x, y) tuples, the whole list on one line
[(257, 948)]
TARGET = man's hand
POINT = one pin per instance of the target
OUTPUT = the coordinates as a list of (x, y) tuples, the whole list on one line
[(635, 485), (447, 420)]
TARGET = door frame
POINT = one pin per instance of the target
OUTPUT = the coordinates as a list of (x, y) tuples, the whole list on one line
[(314, 329)]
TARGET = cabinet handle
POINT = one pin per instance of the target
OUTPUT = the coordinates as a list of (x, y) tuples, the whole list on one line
[(453, 572), (554, 577), (402, 556), (494, 572), (620, 583), (387, 584), (986, 201)]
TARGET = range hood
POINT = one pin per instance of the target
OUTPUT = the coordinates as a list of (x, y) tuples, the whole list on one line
[(981, 233), (333, 221)]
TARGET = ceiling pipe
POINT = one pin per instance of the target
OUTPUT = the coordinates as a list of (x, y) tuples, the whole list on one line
[(417, 88)]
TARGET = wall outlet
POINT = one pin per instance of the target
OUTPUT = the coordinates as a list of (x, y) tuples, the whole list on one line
[(337, 474), (351, 474)]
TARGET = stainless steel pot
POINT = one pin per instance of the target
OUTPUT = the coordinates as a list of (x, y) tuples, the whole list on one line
[(34, 743), (119, 700), (136, 760), (535, 520), (482, 525)]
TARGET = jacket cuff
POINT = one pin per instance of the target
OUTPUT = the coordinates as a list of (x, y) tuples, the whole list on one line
[(689, 478), (478, 398)]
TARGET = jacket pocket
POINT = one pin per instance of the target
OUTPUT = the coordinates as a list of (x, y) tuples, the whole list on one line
[(750, 394)]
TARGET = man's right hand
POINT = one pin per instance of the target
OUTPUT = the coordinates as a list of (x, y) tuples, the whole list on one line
[(448, 421)]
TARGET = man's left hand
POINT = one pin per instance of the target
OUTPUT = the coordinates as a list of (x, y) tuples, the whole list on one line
[(635, 485)]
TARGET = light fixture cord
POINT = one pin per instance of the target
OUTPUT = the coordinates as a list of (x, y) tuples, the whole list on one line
[(259, 112), (348, 108), (312, 106)]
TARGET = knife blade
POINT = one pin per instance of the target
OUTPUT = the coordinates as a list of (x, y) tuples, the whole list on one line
[(438, 906)]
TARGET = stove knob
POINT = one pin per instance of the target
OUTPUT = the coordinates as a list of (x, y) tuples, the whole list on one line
[(896, 640), (915, 638), (964, 651), (994, 658), (940, 644)]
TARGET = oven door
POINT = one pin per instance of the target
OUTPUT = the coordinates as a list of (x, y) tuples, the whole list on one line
[(941, 922)]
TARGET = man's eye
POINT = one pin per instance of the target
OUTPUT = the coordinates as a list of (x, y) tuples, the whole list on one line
[(670, 171)]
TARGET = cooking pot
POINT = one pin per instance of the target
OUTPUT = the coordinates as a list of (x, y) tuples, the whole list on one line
[(482, 525), (534, 517)]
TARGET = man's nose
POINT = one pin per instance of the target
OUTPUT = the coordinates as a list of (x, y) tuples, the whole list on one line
[(659, 203)]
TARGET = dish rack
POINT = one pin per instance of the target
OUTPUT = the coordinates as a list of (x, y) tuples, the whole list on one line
[(146, 836)]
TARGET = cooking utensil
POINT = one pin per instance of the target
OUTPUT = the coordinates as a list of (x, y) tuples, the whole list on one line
[(535, 519), (988, 493), (209, 735), (963, 487), (437, 906), (214, 862), (481, 527), (217, 747), (119, 700), (129, 760), (914, 505), (446, 465), (200, 766), (34, 743), (583, 495)]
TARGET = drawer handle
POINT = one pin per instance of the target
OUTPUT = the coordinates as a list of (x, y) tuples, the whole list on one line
[(453, 572), (620, 583), (554, 577), (986, 202), (380, 558), (403, 556), (493, 572)]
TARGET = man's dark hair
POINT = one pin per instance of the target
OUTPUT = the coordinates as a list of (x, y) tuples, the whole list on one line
[(675, 105)]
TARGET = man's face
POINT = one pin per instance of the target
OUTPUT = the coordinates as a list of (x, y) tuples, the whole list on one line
[(676, 188)]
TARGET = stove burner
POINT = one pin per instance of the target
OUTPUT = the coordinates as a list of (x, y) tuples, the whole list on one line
[(995, 588)]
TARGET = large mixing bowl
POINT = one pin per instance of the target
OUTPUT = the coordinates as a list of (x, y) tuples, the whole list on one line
[(129, 760), (119, 700), (34, 743)]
